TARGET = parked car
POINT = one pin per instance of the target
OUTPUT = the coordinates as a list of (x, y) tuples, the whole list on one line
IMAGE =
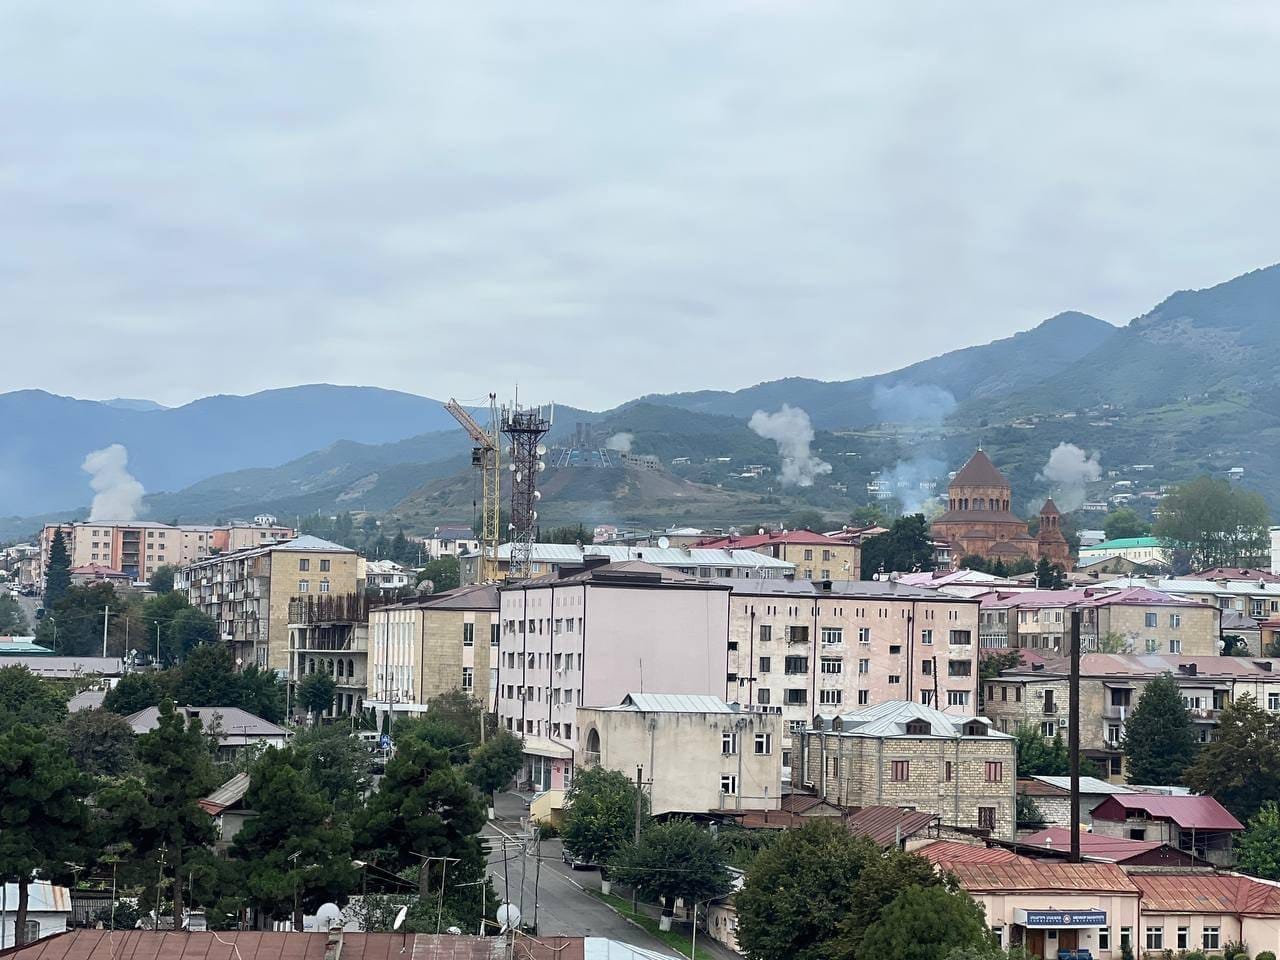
[(575, 862)]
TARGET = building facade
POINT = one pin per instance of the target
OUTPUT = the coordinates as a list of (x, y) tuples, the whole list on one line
[(706, 564), (907, 755), (1200, 826), (698, 753), (814, 555), (329, 633), (1147, 551)]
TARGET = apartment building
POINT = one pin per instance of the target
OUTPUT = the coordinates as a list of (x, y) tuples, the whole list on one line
[(1256, 596), (1129, 620), (827, 646), (588, 636), (815, 555), (550, 558), (139, 547), (698, 753), (1110, 686), (329, 633), (904, 754), (1142, 550), (248, 592), (422, 647)]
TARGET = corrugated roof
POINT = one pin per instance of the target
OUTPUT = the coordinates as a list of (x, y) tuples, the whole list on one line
[(851, 589), (803, 537), (309, 544), (562, 553), (235, 726), (886, 825), (1207, 893), (42, 897), (1087, 784), (230, 792), (944, 853), (979, 471), (66, 666), (1201, 813), (672, 703), (1126, 543), (1115, 666), (1026, 875), (890, 719)]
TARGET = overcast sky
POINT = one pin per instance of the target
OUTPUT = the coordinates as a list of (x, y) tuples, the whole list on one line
[(604, 199)]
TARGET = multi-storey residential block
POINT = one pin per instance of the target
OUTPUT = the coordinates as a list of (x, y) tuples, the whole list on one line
[(588, 636), (698, 753), (329, 633), (550, 558), (450, 541), (139, 547), (386, 576), (248, 592), (1110, 686), (423, 647), (815, 556), (908, 755), (846, 645)]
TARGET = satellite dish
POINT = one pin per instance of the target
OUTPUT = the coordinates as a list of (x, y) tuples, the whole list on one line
[(537, 494), (541, 449), (664, 542), (761, 531), (541, 466), (533, 515), (454, 931), (328, 916), (508, 916), (519, 474), (511, 467), (399, 921)]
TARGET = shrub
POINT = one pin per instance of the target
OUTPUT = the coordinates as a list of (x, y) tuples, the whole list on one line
[(1265, 955)]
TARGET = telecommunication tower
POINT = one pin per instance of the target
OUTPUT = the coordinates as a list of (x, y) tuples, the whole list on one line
[(524, 428)]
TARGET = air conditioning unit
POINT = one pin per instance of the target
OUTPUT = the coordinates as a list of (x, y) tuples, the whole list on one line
[(1062, 721)]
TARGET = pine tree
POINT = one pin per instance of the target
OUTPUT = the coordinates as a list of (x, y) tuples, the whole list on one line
[(57, 575), (1158, 738), (1044, 574), (1240, 766)]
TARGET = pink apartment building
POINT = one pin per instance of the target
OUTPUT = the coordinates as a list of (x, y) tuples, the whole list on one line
[(591, 634)]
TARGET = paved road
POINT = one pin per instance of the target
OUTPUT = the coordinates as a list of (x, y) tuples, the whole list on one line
[(28, 605)]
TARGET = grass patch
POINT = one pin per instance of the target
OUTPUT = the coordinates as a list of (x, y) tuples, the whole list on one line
[(677, 941)]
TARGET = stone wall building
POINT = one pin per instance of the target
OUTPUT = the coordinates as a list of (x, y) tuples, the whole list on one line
[(815, 555), (329, 633), (906, 754)]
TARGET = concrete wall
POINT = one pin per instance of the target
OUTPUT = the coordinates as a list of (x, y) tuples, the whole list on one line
[(1121, 910)]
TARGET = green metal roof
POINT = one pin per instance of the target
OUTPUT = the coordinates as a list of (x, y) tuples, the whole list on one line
[(1127, 543), (23, 647)]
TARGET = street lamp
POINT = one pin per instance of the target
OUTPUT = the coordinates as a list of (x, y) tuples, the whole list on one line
[(693, 946)]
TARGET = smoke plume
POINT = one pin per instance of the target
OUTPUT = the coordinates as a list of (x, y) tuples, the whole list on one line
[(909, 403), (791, 430), (620, 442), (117, 496), (1069, 468), (906, 477)]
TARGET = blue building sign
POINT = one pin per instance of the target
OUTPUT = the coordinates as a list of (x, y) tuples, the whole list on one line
[(1040, 919)]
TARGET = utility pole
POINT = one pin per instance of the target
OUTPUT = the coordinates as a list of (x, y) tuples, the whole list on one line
[(106, 617), (1073, 735), (159, 886), (537, 874), (635, 898), (157, 644)]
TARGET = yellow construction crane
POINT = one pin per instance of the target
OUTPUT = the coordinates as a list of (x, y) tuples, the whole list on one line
[(485, 456)]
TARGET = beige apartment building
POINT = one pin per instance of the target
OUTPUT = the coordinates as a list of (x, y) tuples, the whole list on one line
[(698, 753), (815, 555), (904, 754), (422, 647), (248, 592), (138, 548), (1110, 686), (826, 647)]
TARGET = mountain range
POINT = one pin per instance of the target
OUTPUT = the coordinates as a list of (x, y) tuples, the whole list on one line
[(1187, 386)]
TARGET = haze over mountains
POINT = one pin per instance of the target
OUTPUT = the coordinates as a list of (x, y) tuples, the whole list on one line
[(1194, 380)]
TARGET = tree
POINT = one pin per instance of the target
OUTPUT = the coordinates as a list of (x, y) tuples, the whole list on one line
[(1218, 524), (316, 692), (870, 515), (812, 520), (1059, 579), (188, 629), (43, 818), (877, 886), (73, 625), (336, 762), (208, 678), (1113, 642), (1124, 523), (799, 890), (926, 923), (26, 699), (158, 613), (1044, 574), (905, 548), (161, 581), (1234, 645), (1038, 757), (1158, 739), (601, 815), (1020, 566), (1240, 767), (297, 854), (992, 664), (494, 763), (998, 569), (443, 572), (1259, 850), (1029, 816), (100, 743), (971, 561), (578, 534), (673, 860), (261, 692), (13, 623), (137, 691), (57, 574)]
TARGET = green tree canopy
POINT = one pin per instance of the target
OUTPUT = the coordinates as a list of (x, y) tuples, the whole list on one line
[(1240, 767), (1158, 738), (158, 613), (27, 699), (1125, 523), (578, 534), (336, 762), (601, 815), (73, 624), (316, 691), (137, 691), (495, 762), (208, 678), (1038, 757), (675, 859), (1216, 523), (905, 548), (926, 923), (1259, 850), (990, 666), (100, 743), (188, 629), (161, 581), (13, 623), (57, 574), (443, 572)]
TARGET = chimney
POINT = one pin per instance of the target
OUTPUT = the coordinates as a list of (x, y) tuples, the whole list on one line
[(1187, 669), (333, 945), (1264, 664)]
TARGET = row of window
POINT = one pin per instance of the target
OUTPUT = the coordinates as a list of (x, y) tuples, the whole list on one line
[(1210, 938), (541, 661), (469, 634), (900, 770), (831, 636), (860, 613), (536, 727), (555, 695), (304, 564), (798, 697), (304, 586), (763, 743)]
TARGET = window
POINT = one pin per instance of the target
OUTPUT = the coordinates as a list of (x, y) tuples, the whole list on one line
[(766, 633), (1210, 938), (832, 635), (1155, 938), (959, 668), (895, 649), (900, 771), (1273, 701), (808, 554), (895, 679), (864, 634), (864, 665), (1113, 733), (728, 743), (728, 783), (304, 586), (926, 637), (324, 586), (1175, 620), (304, 565), (957, 698), (829, 697), (1116, 766), (764, 664), (1049, 705), (1048, 729), (995, 771), (325, 565), (797, 634), (795, 727), (1104, 938), (33, 931), (468, 678), (864, 697), (764, 743), (1175, 646), (468, 634), (795, 665), (1184, 937), (494, 634), (1126, 937), (831, 665), (1151, 619), (961, 637), (1137, 833), (947, 771), (986, 818), (926, 667), (763, 695)]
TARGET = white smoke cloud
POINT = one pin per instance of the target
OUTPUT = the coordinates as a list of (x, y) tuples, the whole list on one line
[(791, 430), (905, 481), (1069, 468), (909, 403), (620, 442), (117, 495)]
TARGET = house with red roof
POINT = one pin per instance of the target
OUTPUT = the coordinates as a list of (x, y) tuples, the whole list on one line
[(1199, 825), (1206, 911), (815, 555)]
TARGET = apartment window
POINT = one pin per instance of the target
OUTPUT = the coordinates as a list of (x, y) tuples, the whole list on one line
[(895, 649), (324, 566), (1126, 937), (1175, 620), (728, 784), (304, 565), (794, 697), (957, 698), (763, 696), (151, 534), (1273, 701), (832, 635), (926, 697), (864, 665), (995, 771), (864, 634), (1184, 937), (494, 634), (795, 727), (797, 634), (304, 586), (895, 679), (1151, 619), (900, 771), (1155, 938), (324, 586), (764, 743), (962, 637), (947, 771), (1210, 939), (728, 743), (1104, 938), (986, 818), (832, 665), (1116, 766), (766, 633), (468, 678), (1113, 733), (864, 697), (829, 697), (926, 667), (959, 668), (794, 665), (765, 663)]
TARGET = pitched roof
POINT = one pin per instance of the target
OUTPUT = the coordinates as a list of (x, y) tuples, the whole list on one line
[(235, 727), (1087, 784), (1201, 813), (1050, 508), (1126, 543), (870, 589), (1140, 597), (570, 553), (980, 471), (309, 544), (1125, 666), (945, 853), (672, 703), (232, 791), (888, 825), (1254, 574), (1207, 893), (1025, 875), (1094, 846), (890, 719), (478, 596), (801, 802), (804, 537)]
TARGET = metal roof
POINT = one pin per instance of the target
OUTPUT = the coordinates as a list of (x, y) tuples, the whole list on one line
[(944, 853), (1126, 543), (659, 556), (1200, 813), (309, 544), (1116, 666), (890, 719), (43, 666), (1087, 784), (235, 727), (42, 897), (979, 471), (851, 589), (886, 825), (1095, 846), (230, 792), (800, 537), (1026, 875), (672, 703), (1207, 893)]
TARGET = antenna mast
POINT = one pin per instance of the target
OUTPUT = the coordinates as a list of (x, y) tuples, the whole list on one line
[(525, 429)]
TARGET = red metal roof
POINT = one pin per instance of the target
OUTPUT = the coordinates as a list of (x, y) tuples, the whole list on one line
[(1200, 813), (1026, 875), (944, 853), (764, 539), (1207, 893), (1093, 845), (886, 825), (1235, 573)]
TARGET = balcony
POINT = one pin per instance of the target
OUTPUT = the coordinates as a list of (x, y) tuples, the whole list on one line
[(1207, 714), (1115, 711), (1050, 709)]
